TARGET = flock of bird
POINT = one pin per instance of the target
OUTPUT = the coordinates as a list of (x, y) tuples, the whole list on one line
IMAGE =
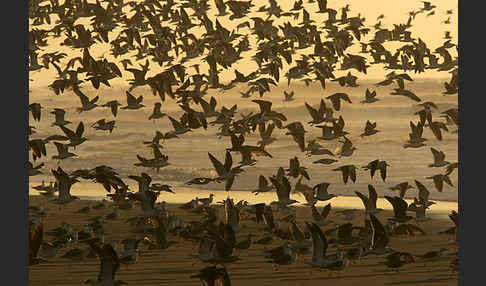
[(161, 31)]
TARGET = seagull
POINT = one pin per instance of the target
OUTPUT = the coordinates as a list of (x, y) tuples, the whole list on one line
[(109, 264), (36, 234), (370, 129), (347, 149), (380, 239), (398, 259), (156, 114), (212, 275), (263, 185), (370, 97), (64, 183), (336, 99), (77, 138), (370, 201), (348, 171), (33, 171), (423, 195), (288, 96), (297, 131), (283, 192), (439, 180), (35, 109), (377, 165), (399, 209), (406, 93), (325, 161), (62, 150), (439, 158), (86, 104), (318, 115), (113, 105), (59, 117), (225, 172), (132, 102), (321, 193), (320, 218), (402, 188), (104, 125)]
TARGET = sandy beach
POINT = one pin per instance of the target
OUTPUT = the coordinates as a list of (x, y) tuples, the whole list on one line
[(174, 265)]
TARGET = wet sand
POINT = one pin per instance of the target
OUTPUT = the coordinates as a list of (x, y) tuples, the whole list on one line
[(174, 265)]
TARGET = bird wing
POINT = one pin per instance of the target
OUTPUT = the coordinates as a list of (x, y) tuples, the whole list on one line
[(373, 197), (218, 166), (131, 99), (326, 210), (423, 192), (80, 129), (364, 199)]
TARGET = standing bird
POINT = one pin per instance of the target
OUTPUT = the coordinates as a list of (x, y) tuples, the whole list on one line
[(212, 276)]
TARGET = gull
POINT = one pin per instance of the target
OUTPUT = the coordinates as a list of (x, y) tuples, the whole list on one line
[(266, 134), (244, 244), (402, 188), (439, 180), (62, 150), (263, 185), (64, 183), (327, 133), (77, 138), (232, 215), (377, 165), (432, 255), (439, 157), (207, 201), (209, 109), (297, 131), (318, 115), (423, 195), (325, 161), (406, 93), (425, 115), (156, 114), (225, 172), (336, 99), (338, 127), (147, 202), (36, 234), (321, 218), (398, 259), (157, 187), (370, 201), (321, 193), (399, 209), (86, 104), (130, 251), (179, 128), (370, 129), (33, 171), (212, 275), (348, 171), (288, 96), (295, 169), (370, 97), (160, 230), (419, 212), (314, 148), (49, 250), (104, 125), (113, 105), (436, 126), (416, 139), (347, 149), (305, 190), (200, 181), (319, 247), (451, 167), (282, 255), (35, 109), (59, 117), (132, 102), (379, 239), (109, 264), (283, 192)]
